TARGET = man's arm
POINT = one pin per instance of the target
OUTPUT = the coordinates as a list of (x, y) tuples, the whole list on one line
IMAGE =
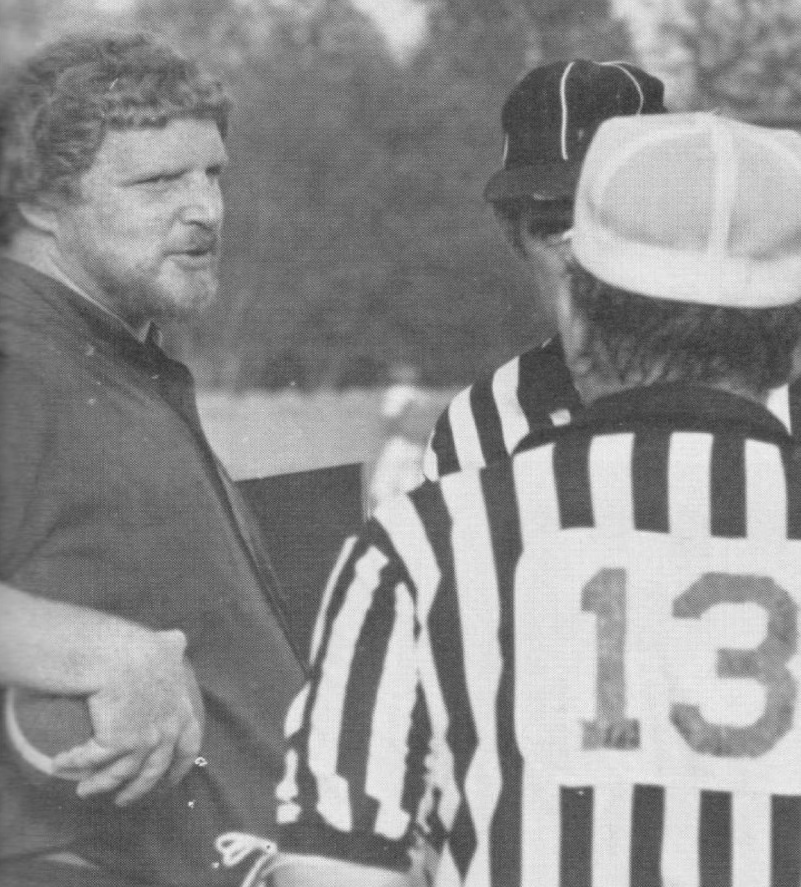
[(135, 680)]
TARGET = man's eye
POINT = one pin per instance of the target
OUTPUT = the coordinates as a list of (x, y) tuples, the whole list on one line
[(161, 179)]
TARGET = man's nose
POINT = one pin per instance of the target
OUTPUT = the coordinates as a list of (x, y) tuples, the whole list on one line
[(203, 201)]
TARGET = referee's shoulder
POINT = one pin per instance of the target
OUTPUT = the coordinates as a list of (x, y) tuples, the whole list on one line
[(500, 386)]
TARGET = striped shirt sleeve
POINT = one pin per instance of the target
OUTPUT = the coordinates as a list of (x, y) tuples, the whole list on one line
[(357, 733), (794, 408)]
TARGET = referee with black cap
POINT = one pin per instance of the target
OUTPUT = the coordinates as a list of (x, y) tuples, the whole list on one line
[(548, 121)]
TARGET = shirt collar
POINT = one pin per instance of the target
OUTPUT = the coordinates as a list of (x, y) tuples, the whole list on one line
[(672, 406)]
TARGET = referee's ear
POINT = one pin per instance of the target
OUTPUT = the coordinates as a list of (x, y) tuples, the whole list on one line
[(573, 327)]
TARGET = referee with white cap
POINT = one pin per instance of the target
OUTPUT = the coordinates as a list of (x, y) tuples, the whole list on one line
[(580, 667)]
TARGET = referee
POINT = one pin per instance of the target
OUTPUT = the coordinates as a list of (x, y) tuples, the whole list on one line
[(580, 667), (548, 120)]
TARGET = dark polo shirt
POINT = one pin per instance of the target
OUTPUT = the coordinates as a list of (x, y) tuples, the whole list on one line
[(110, 497)]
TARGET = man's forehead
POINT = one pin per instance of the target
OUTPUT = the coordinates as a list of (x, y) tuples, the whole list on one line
[(185, 142)]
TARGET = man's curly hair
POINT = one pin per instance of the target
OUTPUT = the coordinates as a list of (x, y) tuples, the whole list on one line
[(639, 338), (57, 107)]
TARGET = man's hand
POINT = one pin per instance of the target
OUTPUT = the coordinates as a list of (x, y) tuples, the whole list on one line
[(147, 719)]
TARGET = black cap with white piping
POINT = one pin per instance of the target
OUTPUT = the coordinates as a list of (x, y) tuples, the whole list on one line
[(551, 116)]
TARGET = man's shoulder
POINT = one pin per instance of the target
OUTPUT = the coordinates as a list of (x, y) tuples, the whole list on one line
[(30, 325), (37, 353)]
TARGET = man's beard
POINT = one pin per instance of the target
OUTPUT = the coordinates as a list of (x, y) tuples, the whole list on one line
[(148, 296)]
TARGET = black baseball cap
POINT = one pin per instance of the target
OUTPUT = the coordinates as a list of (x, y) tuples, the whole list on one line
[(551, 116)]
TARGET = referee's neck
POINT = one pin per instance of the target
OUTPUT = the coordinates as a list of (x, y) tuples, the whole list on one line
[(591, 386)]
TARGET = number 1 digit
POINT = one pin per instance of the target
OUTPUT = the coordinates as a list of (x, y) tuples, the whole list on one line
[(605, 595)]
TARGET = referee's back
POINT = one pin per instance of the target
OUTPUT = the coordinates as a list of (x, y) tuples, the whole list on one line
[(578, 668), (624, 667)]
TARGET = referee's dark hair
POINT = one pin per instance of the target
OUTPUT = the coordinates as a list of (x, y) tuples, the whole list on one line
[(687, 249), (641, 340)]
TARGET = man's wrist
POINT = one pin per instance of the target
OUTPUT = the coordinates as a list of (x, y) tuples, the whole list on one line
[(64, 648), (127, 649)]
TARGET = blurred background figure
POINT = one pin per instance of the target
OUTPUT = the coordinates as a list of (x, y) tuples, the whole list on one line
[(406, 416)]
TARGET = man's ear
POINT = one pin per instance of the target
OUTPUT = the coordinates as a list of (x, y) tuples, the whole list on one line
[(573, 326), (42, 213)]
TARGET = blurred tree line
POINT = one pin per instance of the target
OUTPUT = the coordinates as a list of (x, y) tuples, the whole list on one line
[(741, 57), (356, 237)]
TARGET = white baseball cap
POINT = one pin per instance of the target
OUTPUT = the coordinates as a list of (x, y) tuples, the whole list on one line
[(692, 208)]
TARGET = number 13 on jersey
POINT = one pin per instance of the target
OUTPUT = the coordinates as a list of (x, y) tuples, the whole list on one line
[(647, 660)]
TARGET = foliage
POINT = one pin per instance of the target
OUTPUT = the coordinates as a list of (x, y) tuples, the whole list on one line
[(356, 233), (744, 55), (27, 23), (550, 29)]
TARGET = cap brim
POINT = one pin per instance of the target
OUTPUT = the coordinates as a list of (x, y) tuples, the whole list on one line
[(546, 180)]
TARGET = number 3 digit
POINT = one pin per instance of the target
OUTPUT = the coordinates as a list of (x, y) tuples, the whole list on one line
[(765, 663)]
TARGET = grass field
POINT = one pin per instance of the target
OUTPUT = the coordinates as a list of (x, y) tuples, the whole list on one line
[(258, 434)]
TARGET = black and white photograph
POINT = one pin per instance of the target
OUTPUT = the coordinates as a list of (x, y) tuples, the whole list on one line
[(400, 482)]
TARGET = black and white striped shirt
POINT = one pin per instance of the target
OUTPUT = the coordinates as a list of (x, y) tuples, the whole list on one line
[(577, 668), (528, 395)]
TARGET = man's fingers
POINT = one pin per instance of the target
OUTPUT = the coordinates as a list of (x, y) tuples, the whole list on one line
[(186, 751), (112, 777), (103, 769), (86, 757), (145, 730), (151, 770)]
